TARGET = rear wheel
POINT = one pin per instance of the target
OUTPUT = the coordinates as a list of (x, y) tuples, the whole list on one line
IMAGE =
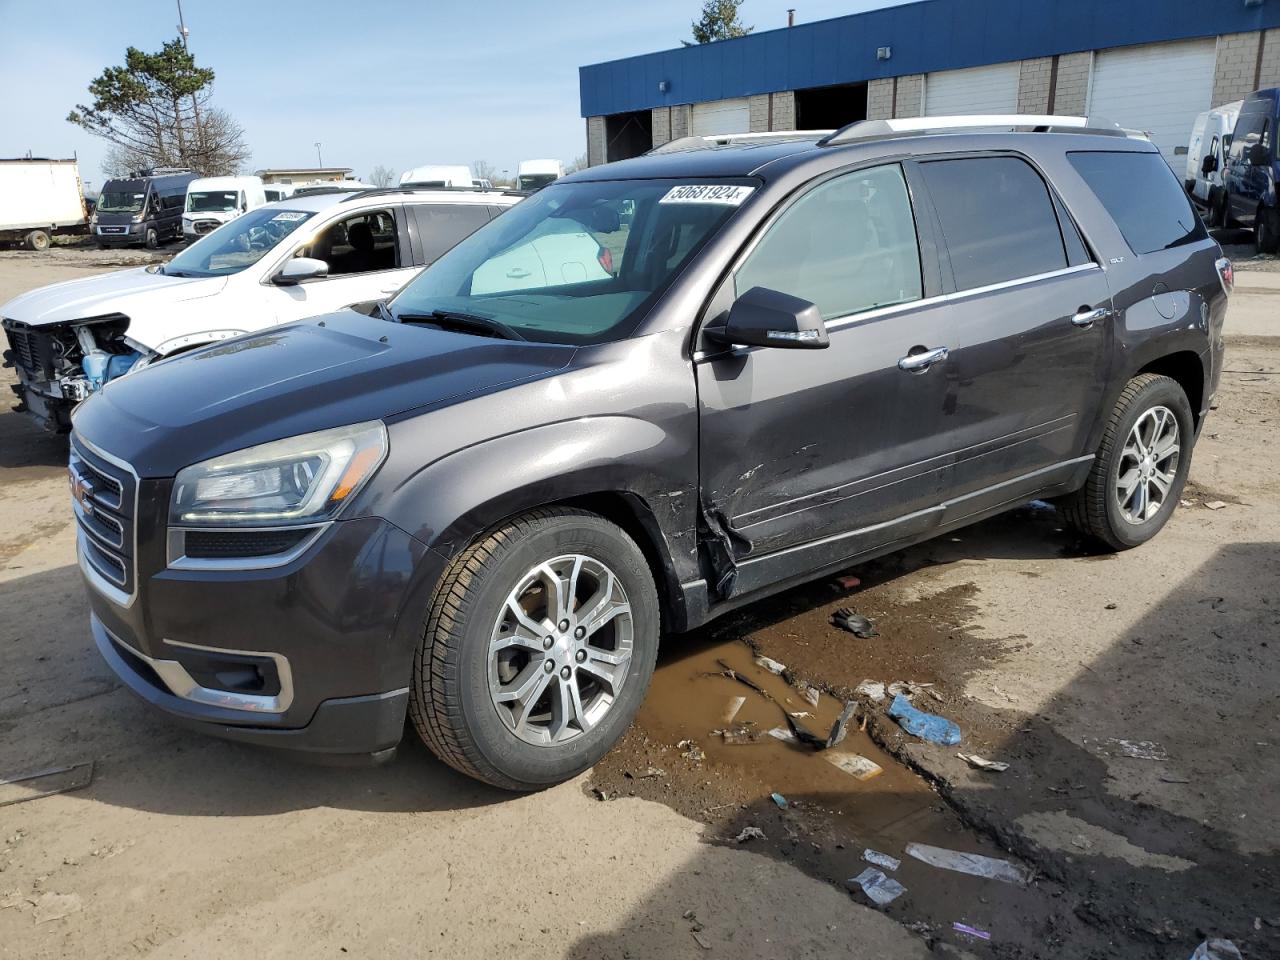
[(37, 240), (1141, 466), (1215, 214), (153, 238), (537, 651)]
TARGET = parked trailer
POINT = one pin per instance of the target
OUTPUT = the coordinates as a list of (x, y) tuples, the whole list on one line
[(40, 198)]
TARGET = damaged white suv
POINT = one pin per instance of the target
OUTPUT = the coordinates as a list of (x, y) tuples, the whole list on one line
[(281, 262)]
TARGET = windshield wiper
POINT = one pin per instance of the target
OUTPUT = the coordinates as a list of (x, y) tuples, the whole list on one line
[(461, 322)]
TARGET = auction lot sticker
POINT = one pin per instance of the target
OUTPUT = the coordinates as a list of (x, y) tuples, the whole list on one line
[(719, 193)]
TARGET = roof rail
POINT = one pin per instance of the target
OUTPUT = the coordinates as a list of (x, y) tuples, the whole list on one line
[(385, 191), (1040, 123), (682, 144)]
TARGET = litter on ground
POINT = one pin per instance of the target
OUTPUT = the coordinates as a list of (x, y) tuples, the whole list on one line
[(973, 760), (881, 860), (741, 733), (872, 689), (55, 906), (1217, 950), (841, 725), (926, 726), (773, 666), (856, 765), (846, 618), (750, 833), (780, 800), (731, 708), (969, 931), (974, 864), (1134, 749), (880, 889), (691, 751), (45, 783)]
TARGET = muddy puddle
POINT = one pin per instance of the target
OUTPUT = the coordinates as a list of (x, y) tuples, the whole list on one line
[(677, 752)]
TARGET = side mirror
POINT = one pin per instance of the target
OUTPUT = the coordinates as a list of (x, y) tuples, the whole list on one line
[(298, 269), (1208, 165), (767, 318), (1258, 156)]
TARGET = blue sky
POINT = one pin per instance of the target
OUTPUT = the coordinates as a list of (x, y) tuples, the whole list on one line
[(380, 82)]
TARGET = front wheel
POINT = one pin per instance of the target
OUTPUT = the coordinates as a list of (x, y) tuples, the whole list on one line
[(1266, 236), (1140, 467), (537, 651), (38, 241), (153, 238)]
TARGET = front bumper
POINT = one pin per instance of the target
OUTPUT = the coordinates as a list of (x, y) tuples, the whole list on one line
[(328, 638)]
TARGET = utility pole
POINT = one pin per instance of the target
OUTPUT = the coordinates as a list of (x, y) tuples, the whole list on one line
[(319, 160), (195, 104)]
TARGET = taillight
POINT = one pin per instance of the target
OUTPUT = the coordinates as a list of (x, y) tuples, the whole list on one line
[(605, 256), (1227, 274)]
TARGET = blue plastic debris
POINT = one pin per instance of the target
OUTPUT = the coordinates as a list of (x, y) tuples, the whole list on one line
[(780, 800), (926, 726)]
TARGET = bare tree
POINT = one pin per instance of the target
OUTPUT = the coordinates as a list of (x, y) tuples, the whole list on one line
[(382, 176), (484, 170), (577, 163), (156, 111)]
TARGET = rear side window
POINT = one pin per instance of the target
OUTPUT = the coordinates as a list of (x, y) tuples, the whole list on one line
[(848, 245), (997, 218), (1143, 197), (442, 225)]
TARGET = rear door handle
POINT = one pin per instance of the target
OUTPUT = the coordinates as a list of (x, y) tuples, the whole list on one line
[(1086, 318), (916, 362)]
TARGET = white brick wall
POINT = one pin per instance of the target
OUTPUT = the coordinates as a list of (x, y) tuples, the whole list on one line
[(880, 99), (1071, 95), (661, 125), (595, 141), (1033, 85), (760, 113), (1236, 63)]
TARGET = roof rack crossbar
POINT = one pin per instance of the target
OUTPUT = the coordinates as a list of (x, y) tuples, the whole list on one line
[(873, 129), (387, 191)]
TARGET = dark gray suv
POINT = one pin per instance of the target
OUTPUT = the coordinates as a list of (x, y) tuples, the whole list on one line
[(482, 507)]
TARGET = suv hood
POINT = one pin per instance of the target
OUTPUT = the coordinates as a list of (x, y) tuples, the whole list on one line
[(327, 372), (123, 291)]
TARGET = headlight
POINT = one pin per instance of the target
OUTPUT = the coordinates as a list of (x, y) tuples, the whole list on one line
[(298, 480)]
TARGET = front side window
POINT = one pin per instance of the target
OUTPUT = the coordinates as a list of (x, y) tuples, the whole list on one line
[(576, 263), (847, 246), (361, 243), (997, 219), (238, 244), (1143, 197)]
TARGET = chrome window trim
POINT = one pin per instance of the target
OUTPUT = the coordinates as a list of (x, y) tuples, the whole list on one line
[(176, 558), (181, 684), (841, 323), (115, 594)]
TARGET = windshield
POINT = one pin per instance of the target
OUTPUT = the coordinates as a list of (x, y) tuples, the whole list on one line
[(121, 201), (212, 200), (236, 245), (576, 263), (536, 181)]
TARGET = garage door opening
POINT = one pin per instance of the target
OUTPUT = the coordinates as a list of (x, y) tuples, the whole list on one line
[(627, 135), (829, 108)]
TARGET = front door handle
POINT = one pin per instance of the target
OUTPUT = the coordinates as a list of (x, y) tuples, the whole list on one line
[(919, 362), (1086, 317)]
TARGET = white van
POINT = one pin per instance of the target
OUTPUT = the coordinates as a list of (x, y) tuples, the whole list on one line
[(1206, 156), (213, 201), (536, 174), (438, 175), (277, 191)]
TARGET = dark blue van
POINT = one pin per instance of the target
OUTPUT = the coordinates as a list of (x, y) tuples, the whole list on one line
[(142, 209), (1249, 182)]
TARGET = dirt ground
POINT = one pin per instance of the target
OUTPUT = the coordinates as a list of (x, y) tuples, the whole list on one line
[(1046, 653)]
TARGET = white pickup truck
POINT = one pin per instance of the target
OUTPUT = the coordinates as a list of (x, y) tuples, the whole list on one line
[(39, 198)]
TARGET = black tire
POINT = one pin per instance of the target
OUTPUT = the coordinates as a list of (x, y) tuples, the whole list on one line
[(449, 699), (37, 240), (153, 238), (1225, 220), (1214, 215), (1266, 236), (1094, 509)]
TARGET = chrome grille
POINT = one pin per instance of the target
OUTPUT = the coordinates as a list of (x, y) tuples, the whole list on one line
[(104, 498)]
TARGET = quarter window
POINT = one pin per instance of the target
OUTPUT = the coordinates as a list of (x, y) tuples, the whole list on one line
[(1143, 197), (997, 219), (847, 246), (441, 225)]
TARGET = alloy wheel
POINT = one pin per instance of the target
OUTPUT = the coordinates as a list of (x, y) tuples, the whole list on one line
[(1148, 465), (560, 651)]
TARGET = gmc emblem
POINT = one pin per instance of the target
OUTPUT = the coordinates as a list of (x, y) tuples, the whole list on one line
[(81, 492)]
